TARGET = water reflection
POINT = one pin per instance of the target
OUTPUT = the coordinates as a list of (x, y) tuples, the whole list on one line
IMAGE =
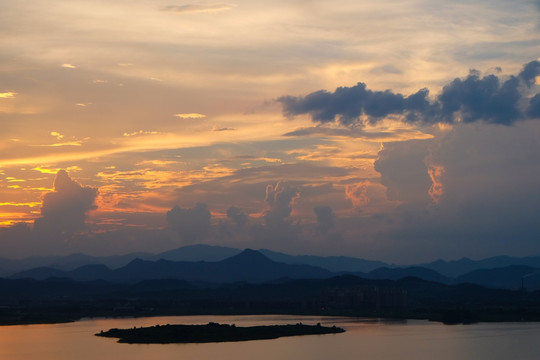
[(365, 338)]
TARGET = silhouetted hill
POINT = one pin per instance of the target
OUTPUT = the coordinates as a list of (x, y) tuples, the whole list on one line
[(90, 272), (199, 252), (40, 273), (66, 263), (504, 278), (332, 263), (400, 273), (160, 285), (460, 267), (200, 263), (252, 266), (249, 265)]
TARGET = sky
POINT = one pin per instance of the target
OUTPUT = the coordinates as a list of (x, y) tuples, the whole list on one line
[(401, 131)]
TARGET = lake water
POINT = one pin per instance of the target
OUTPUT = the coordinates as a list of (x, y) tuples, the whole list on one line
[(365, 339)]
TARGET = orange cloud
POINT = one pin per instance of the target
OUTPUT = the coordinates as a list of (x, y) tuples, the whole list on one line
[(357, 193), (436, 191), (369, 197), (190, 116)]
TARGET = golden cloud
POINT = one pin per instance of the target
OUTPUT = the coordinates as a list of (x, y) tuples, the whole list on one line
[(7, 95), (190, 116)]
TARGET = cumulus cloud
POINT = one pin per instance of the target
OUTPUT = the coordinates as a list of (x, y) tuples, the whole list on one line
[(483, 185), (348, 104), (280, 198), (534, 107), (325, 218), (403, 170), (489, 98), (192, 224), (65, 209), (237, 217), (530, 72)]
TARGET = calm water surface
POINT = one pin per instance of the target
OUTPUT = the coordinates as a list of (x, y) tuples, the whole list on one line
[(364, 339)]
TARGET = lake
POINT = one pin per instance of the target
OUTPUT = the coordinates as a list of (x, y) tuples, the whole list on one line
[(371, 339)]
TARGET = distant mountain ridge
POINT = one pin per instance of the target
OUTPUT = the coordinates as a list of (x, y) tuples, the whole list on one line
[(200, 263), (248, 266), (456, 268)]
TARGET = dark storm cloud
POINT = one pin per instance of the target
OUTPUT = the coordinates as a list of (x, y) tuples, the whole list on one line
[(192, 224), (65, 209), (530, 72), (473, 98), (534, 107), (347, 104)]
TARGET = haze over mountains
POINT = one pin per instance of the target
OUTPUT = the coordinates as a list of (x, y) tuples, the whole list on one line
[(220, 265)]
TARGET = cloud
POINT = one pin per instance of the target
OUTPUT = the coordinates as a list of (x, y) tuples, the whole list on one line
[(190, 116), (348, 104), (436, 191), (483, 184), (393, 134), (237, 217), (403, 170), (140, 132), (325, 218), (278, 226), (473, 98), (530, 72), (192, 224), (57, 135), (198, 8), (7, 95), (280, 198), (64, 210), (357, 193), (534, 107), (69, 66)]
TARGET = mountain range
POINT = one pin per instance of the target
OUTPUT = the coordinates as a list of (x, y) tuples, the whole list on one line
[(220, 265)]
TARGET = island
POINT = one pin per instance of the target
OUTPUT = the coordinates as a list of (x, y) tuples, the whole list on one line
[(213, 332)]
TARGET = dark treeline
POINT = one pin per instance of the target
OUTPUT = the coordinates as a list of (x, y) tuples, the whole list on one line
[(28, 301)]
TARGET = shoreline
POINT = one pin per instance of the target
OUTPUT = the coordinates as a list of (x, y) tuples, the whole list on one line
[(448, 317)]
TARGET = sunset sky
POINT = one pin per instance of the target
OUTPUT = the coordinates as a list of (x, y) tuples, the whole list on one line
[(402, 131)]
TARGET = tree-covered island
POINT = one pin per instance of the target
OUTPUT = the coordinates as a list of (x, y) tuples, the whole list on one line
[(212, 332)]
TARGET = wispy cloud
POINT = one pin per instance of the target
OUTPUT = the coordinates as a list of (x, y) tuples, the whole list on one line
[(198, 8), (190, 116), (7, 95), (141, 132), (69, 66), (57, 135), (67, 143)]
